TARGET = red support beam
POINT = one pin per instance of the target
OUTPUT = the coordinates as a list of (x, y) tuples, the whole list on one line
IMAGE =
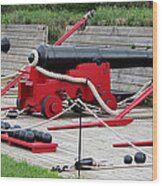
[(138, 100), (71, 31), (9, 107), (11, 84), (111, 123), (137, 143), (36, 146)]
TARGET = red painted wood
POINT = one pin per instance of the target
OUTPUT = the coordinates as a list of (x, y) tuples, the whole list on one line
[(36, 147), (11, 84), (33, 91), (138, 100), (9, 107), (71, 31), (137, 143), (111, 123)]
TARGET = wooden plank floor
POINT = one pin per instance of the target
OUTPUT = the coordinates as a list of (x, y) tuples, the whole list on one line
[(96, 143)]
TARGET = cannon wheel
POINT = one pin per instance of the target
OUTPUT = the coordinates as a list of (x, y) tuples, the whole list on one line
[(50, 106)]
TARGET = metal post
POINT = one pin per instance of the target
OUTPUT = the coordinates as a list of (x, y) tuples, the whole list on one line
[(80, 142)]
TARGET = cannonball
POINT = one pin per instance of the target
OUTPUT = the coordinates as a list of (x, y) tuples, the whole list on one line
[(29, 130), (46, 138), (34, 131), (16, 133), (22, 134), (128, 159), (29, 136), (38, 135), (17, 126), (6, 125), (10, 133), (140, 157)]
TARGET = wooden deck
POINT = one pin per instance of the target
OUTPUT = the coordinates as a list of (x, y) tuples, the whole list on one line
[(96, 143)]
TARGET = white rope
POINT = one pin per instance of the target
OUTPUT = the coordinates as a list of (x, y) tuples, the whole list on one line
[(115, 132), (71, 168), (36, 56), (11, 75), (43, 122), (136, 94), (82, 81)]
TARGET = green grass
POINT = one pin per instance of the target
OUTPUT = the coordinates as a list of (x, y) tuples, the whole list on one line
[(13, 168), (57, 17)]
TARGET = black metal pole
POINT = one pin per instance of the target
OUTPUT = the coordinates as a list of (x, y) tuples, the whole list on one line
[(80, 144)]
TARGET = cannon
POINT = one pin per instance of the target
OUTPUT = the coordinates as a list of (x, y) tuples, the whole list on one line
[(61, 58), (42, 93), (60, 74), (5, 44)]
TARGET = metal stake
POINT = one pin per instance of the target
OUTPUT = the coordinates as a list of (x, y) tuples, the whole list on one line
[(79, 145)]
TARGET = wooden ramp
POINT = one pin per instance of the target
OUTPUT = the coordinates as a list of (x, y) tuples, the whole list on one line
[(97, 143)]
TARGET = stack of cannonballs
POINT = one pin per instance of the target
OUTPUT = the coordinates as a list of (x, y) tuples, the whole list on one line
[(139, 157), (27, 135)]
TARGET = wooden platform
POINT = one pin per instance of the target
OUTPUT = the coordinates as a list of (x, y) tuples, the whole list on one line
[(96, 143)]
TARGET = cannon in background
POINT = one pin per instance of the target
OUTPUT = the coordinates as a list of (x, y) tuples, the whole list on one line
[(5, 44)]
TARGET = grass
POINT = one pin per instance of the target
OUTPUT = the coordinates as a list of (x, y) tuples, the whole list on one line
[(57, 17), (13, 168)]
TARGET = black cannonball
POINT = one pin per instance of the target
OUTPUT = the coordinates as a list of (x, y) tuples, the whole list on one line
[(16, 133), (128, 159), (2, 125), (140, 157), (22, 134), (34, 131), (46, 138), (7, 125), (38, 135), (29, 130), (29, 136), (10, 133), (17, 126)]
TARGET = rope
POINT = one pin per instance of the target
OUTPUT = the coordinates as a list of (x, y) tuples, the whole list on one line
[(36, 56), (108, 167), (43, 122), (115, 132), (136, 94), (82, 81), (11, 75)]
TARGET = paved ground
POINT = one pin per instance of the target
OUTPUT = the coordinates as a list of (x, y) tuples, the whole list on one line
[(96, 143)]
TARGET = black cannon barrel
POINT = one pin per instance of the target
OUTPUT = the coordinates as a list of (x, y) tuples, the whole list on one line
[(5, 44), (62, 58)]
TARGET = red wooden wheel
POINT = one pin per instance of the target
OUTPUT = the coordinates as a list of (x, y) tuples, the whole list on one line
[(50, 106)]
